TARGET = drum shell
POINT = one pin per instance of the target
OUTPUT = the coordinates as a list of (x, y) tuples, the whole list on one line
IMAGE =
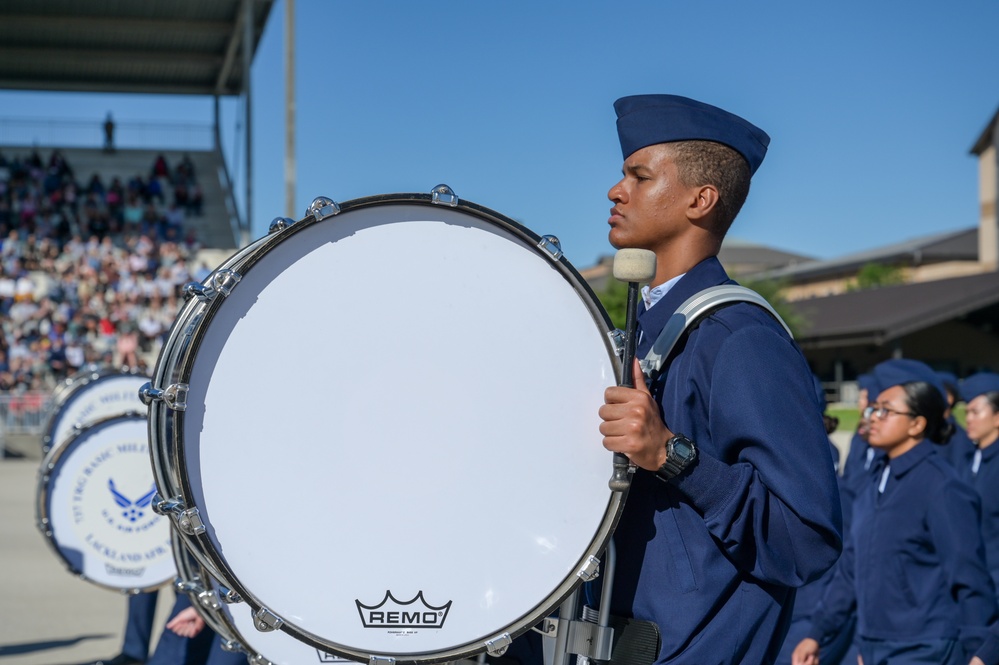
[(92, 394)]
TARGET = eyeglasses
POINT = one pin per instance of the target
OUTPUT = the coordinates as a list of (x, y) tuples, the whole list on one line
[(883, 411)]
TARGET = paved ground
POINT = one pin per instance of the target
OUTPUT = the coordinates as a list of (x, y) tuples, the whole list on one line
[(48, 616)]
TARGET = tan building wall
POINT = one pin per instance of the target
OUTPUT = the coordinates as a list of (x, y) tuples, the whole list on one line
[(927, 273), (988, 234)]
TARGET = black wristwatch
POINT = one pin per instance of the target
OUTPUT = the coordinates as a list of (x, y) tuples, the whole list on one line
[(680, 453)]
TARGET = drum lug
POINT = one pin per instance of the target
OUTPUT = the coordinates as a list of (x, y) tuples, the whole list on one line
[(188, 519), (232, 646), (547, 628), (443, 195), (257, 659), (173, 396), (280, 224), (498, 645), (322, 207), (188, 587), (617, 341), (221, 281), (380, 660), (265, 621), (551, 246), (209, 600), (590, 570), (228, 596)]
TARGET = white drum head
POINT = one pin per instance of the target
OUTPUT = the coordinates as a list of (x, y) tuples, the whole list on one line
[(392, 436), (94, 506)]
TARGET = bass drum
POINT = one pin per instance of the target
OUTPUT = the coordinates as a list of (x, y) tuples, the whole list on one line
[(380, 427), (232, 620), (94, 393), (94, 498)]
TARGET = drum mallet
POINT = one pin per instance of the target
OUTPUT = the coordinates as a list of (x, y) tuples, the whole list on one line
[(634, 266)]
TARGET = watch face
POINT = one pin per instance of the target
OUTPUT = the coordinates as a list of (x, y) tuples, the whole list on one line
[(683, 448)]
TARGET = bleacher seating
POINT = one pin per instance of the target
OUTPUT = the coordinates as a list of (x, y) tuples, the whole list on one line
[(93, 273)]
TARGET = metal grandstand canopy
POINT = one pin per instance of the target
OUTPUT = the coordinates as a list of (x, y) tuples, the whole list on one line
[(132, 46)]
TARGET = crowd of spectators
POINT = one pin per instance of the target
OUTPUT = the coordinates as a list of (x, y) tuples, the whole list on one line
[(90, 271)]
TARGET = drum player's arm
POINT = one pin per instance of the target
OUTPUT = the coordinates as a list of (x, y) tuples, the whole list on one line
[(763, 492)]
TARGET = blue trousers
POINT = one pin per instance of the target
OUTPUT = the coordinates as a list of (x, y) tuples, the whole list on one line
[(219, 656), (172, 649), (139, 625)]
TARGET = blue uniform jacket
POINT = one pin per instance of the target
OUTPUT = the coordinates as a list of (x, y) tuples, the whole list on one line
[(960, 449), (986, 484), (711, 557), (914, 563), (858, 462)]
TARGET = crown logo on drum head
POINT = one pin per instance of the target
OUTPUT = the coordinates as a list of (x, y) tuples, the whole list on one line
[(392, 613)]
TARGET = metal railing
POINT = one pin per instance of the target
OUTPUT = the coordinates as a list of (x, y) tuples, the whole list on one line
[(24, 413), (90, 133)]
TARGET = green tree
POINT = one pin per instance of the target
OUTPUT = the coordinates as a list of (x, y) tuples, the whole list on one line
[(773, 292), (614, 298), (873, 275)]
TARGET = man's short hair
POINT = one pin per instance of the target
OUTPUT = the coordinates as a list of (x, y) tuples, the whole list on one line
[(709, 163)]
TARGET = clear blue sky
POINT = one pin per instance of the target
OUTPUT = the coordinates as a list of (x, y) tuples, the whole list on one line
[(872, 108)]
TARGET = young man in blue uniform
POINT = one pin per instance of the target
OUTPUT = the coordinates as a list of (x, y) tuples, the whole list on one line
[(734, 503)]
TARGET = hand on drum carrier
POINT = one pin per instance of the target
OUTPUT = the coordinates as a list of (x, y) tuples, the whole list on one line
[(632, 425)]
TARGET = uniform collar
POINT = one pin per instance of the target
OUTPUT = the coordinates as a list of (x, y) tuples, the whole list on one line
[(909, 459), (991, 451)]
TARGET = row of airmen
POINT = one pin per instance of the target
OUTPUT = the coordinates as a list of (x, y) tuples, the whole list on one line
[(919, 573)]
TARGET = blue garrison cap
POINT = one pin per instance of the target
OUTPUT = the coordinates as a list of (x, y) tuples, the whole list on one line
[(644, 120), (979, 384), (897, 371), (869, 383)]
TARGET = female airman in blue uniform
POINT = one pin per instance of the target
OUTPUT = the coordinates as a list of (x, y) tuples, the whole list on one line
[(981, 468), (914, 561)]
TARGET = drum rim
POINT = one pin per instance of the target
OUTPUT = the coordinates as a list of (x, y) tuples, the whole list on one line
[(166, 471), (43, 492), (70, 391), (188, 342), (196, 575)]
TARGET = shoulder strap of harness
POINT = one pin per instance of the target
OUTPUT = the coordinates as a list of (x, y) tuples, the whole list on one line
[(696, 307)]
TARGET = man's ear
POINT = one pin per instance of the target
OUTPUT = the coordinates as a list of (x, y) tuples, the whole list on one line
[(703, 202)]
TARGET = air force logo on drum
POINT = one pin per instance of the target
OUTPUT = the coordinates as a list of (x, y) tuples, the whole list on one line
[(393, 614)]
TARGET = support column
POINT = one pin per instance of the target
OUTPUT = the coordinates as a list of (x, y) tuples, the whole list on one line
[(248, 27), (289, 110)]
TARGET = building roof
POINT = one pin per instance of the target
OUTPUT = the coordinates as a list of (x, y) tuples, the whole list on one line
[(949, 246), (986, 138), (175, 47), (877, 316), (743, 256)]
